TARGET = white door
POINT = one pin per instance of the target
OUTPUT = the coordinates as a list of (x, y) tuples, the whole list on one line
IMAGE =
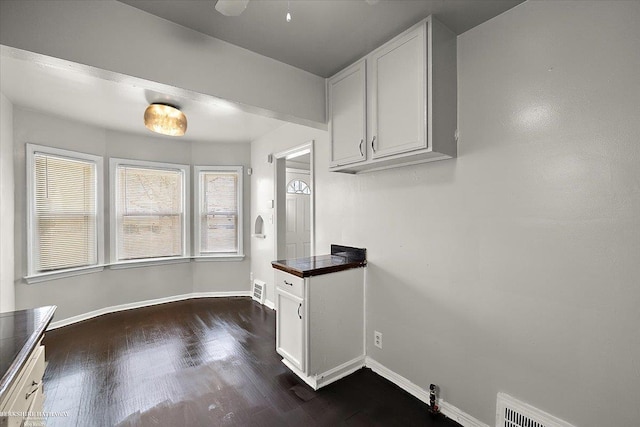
[(290, 328), (298, 213)]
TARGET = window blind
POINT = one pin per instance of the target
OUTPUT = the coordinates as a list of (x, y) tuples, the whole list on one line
[(65, 213), (218, 212), (149, 209)]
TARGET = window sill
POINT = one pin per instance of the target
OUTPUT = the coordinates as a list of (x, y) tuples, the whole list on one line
[(147, 262), (218, 257), (44, 277), (60, 274)]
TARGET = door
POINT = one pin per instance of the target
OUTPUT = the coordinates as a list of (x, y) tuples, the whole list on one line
[(347, 115), (398, 91), (298, 212), (290, 328)]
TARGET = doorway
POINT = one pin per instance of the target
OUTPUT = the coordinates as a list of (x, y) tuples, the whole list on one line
[(294, 204)]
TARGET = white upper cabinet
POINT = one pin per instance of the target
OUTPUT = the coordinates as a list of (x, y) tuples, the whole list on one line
[(401, 99), (348, 115), (398, 101)]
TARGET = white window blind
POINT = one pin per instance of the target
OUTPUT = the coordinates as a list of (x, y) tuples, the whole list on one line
[(219, 230), (64, 210), (150, 212)]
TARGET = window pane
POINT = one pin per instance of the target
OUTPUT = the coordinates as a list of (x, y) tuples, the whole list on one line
[(219, 212), (65, 213), (149, 212)]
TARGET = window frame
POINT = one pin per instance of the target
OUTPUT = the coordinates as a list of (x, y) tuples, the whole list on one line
[(197, 200), (114, 163), (31, 151)]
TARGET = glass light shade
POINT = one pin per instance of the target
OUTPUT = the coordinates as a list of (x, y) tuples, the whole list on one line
[(165, 119)]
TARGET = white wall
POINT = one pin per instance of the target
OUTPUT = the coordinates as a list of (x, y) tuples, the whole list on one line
[(85, 293), (7, 298), (514, 267), (113, 36)]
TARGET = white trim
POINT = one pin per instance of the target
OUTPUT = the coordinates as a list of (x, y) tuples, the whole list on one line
[(330, 376), (308, 147), (197, 200), (146, 262), (459, 416), (269, 304), (61, 274), (146, 303), (221, 257), (296, 170), (114, 162), (446, 408), (31, 150)]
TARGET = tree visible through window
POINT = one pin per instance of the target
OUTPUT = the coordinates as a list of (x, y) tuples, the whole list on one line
[(298, 186), (220, 210), (150, 212)]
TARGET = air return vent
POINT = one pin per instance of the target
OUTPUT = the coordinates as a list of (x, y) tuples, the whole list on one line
[(511, 412), (258, 291)]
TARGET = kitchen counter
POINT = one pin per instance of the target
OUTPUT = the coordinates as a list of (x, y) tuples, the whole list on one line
[(20, 333), (341, 258)]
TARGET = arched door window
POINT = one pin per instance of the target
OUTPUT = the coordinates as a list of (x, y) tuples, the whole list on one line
[(298, 186)]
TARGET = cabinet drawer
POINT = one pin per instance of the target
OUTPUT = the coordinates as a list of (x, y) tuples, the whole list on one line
[(290, 283), (29, 384)]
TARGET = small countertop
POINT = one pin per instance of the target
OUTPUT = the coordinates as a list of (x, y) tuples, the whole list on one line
[(341, 258), (20, 333)]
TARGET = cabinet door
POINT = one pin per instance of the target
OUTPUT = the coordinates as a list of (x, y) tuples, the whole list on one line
[(347, 115), (398, 91), (290, 342)]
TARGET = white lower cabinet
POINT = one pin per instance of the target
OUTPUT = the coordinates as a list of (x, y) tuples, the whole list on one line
[(290, 333), (320, 323), (24, 400)]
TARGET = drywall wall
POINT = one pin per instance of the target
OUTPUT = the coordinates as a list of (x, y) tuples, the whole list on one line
[(262, 183), (7, 298), (88, 292), (136, 43), (514, 267)]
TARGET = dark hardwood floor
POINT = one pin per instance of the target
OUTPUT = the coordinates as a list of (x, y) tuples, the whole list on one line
[(203, 362)]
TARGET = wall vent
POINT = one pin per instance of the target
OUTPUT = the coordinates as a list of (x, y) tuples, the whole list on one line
[(257, 292), (511, 412)]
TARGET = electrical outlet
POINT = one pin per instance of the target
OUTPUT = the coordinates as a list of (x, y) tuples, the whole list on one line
[(377, 339), (251, 277)]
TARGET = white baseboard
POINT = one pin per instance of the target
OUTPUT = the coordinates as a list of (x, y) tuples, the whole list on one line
[(269, 304), (146, 303), (446, 408), (332, 375), (459, 416)]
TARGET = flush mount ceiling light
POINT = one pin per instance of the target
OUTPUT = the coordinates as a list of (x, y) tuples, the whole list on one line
[(165, 119), (231, 7)]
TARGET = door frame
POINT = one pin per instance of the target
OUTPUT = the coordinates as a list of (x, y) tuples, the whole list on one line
[(280, 192)]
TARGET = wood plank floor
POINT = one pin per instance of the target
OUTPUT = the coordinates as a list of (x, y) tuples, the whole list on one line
[(203, 362)]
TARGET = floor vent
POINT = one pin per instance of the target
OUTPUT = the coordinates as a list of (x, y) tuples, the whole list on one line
[(258, 291), (511, 412)]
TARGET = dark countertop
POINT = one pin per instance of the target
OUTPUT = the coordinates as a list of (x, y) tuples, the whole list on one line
[(20, 332), (341, 258)]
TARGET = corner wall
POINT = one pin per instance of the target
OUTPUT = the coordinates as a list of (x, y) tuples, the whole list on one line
[(514, 267), (7, 294), (111, 287)]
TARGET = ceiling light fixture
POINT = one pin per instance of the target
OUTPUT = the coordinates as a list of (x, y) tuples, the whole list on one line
[(231, 7), (165, 119), (288, 11)]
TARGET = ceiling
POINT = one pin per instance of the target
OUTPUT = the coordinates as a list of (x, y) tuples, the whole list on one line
[(323, 36), (113, 101)]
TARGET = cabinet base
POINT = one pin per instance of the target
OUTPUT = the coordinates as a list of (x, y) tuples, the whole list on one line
[(332, 375)]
